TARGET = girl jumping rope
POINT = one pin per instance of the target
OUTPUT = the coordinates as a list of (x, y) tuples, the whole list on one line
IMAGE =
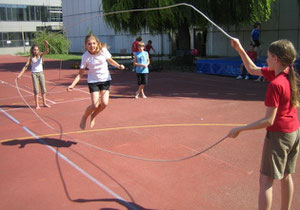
[(281, 145), (38, 78), (95, 60)]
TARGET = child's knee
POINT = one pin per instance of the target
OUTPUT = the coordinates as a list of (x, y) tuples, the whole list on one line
[(104, 104)]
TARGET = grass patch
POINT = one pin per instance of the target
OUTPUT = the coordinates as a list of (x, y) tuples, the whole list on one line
[(63, 57)]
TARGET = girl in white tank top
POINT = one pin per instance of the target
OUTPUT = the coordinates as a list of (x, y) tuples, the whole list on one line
[(38, 78)]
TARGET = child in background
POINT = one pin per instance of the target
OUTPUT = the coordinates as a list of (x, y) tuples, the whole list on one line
[(135, 49), (281, 145), (141, 61), (149, 47), (255, 35), (38, 77), (253, 55), (95, 60)]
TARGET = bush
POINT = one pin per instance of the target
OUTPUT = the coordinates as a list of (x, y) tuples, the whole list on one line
[(58, 43)]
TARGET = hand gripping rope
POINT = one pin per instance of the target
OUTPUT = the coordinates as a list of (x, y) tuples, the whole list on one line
[(120, 154)]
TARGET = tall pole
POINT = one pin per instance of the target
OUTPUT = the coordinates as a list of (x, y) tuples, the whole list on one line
[(23, 38)]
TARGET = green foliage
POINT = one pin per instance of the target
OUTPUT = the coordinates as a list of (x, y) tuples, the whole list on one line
[(222, 12), (59, 44)]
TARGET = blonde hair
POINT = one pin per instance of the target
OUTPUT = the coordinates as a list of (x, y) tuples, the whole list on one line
[(286, 54), (141, 44), (99, 46)]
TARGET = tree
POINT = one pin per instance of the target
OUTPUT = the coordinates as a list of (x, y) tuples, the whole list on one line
[(60, 44), (181, 18)]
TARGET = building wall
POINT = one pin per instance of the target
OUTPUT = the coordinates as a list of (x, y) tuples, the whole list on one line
[(26, 26), (81, 17), (284, 24)]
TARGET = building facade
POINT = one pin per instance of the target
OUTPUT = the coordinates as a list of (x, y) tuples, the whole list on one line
[(19, 20)]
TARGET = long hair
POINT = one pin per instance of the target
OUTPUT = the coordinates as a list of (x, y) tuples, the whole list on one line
[(286, 54), (92, 36), (31, 49)]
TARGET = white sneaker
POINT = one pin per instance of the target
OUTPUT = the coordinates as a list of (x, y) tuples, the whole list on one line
[(246, 77), (239, 77)]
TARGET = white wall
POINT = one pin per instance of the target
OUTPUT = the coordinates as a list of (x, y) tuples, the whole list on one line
[(80, 17)]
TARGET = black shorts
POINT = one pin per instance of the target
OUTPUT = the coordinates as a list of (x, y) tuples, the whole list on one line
[(98, 86), (142, 79), (256, 43)]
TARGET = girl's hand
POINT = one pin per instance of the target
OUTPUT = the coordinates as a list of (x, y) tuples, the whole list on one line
[(235, 43), (121, 67), (234, 133), (19, 77), (46, 43)]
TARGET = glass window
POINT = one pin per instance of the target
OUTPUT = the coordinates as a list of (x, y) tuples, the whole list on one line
[(38, 13), (9, 13), (20, 12), (3, 13), (14, 14), (44, 14)]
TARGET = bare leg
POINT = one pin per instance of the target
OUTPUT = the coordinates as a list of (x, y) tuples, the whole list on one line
[(36, 99), (44, 100), (140, 90), (265, 192), (287, 191), (90, 109), (86, 114), (103, 104)]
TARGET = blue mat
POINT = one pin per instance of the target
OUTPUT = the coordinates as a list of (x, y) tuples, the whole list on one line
[(223, 66)]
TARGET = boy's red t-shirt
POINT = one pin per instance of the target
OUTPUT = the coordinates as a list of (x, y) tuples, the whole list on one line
[(252, 55), (135, 46), (278, 95)]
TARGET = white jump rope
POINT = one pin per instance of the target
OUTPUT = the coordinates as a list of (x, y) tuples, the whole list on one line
[(120, 154)]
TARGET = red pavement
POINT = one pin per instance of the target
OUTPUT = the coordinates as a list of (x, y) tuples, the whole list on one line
[(64, 167)]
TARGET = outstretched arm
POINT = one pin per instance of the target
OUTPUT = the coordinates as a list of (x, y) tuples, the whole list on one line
[(115, 64), (248, 63), (24, 68), (46, 49), (76, 80), (267, 121)]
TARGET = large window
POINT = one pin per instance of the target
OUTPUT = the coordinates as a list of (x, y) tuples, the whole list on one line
[(15, 39), (9, 12)]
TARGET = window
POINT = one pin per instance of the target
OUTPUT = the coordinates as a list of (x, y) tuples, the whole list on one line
[(14, 39), (3, 13), (11, 12)]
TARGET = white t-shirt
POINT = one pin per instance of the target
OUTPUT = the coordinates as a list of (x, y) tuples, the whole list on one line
[(36, 65), (97, 66)]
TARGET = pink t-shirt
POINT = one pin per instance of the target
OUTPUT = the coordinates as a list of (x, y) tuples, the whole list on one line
[(278, 95)]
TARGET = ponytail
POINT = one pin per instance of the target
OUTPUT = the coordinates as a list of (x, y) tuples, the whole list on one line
[(294, 81)]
